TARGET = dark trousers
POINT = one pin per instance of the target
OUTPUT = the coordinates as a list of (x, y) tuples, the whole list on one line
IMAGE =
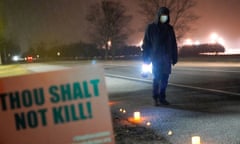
[(160, 82)]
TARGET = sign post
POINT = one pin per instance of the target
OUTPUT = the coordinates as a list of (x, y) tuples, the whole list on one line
[(58, 107)]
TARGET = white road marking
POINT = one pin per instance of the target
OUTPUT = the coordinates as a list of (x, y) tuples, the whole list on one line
[(207, 70), (44, 67), (177, 85), (189, 69)]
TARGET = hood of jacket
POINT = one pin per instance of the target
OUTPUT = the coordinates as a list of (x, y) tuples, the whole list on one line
[(162, 11)]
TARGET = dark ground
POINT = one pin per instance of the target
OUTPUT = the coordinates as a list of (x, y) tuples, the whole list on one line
[(127, 132)]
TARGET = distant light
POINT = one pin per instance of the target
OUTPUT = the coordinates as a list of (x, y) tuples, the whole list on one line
[(29, 58), (148, 123), (214, 36), (109, 43), (140, 43), (15, 58), (188, 42), (232, 51), (197, 42), (120, 109), (221, 41)]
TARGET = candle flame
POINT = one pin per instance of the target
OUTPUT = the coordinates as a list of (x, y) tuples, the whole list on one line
[(137, 116), (196, 140)]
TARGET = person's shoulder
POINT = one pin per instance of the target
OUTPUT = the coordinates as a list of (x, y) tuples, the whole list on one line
[(151, 25), (170, 26)]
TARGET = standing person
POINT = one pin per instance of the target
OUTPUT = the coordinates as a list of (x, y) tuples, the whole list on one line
[(160, 48)]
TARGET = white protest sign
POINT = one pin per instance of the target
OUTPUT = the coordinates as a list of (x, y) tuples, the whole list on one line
[(58, 107)]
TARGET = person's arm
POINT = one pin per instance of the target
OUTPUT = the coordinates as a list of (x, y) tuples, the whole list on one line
[(174, 48), (147, 46)]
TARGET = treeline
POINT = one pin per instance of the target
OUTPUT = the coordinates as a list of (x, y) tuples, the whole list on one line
[(195, 50), (84, 51), (7, 50), (81, 51)]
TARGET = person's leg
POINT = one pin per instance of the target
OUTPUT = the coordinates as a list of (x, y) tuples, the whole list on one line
[(156, 85), (163, 87)]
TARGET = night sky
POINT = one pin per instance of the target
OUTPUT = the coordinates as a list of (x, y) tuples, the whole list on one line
[(63, 21)]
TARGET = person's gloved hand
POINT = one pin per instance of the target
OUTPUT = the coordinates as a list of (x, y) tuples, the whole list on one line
[(174, 62), (146, 69), (147, 61)]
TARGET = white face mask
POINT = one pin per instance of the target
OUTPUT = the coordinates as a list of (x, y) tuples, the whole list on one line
[(163, 18)]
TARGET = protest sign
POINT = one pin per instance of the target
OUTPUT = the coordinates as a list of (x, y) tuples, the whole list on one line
[(59, 107)]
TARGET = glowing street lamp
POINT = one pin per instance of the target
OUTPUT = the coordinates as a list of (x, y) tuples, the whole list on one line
[(188, 42), (214, 37), (221, 41), (197, 42), (109, 43)]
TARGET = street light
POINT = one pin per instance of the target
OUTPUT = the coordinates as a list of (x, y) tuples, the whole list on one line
[(214, 37), (188, 42), (109, 43)]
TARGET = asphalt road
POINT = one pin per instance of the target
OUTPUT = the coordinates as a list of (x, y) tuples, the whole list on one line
[(204, 97), (205, 101)]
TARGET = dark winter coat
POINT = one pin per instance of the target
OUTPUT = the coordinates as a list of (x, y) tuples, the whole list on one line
[(159, 44)]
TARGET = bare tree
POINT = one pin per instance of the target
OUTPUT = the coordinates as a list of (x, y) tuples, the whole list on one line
[(182, 16), (2, 18), (109, 24)]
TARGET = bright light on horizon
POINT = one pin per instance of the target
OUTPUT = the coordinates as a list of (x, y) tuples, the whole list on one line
[(231, 47), (197, 42), (215, 38), (188, 41), (140, 43), (231, 51)]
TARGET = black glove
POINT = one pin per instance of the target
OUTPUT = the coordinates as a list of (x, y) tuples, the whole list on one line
[(174, 62), (147, 61)]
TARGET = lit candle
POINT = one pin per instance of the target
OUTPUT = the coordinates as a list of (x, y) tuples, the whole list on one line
[(196, 140), (170, 133), (148, 123), (137, 116)]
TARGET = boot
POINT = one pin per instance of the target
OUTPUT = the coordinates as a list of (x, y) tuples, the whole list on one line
[(156, 101), (163, 100)]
